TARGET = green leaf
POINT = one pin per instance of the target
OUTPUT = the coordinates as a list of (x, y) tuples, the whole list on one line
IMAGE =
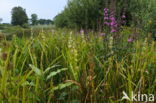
[(62, 86), (36, 70), (55, 73), (49, 68)]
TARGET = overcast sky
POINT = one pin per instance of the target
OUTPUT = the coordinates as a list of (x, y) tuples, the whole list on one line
[(47, 9)]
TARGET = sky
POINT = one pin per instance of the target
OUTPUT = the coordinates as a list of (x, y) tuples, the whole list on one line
[(46, 9)]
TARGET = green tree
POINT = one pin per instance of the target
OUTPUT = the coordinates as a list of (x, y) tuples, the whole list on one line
[(60, 20), (34, 19), (45, 21), (85, 14), (19, 16), (88, 14)]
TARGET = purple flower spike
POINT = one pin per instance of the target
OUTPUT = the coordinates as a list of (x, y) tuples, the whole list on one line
[(112, 23), (105, 9), (130, 40), (110, 20)]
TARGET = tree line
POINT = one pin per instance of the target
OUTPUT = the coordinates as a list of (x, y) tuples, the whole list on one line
[(19, 17), (89, 14)]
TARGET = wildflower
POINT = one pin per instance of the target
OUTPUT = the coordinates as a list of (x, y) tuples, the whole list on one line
[(123, 16), (70, 42), (112, 18), (107, 23), (71, 33), (72, 51), (110, 21), (82, 35), (113, 23), (82, 32), (111, 44), (144, 47), (130, 40), (106, 9), (106, 18)]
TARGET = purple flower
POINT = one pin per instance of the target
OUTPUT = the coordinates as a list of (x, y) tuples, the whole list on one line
[(107, 23), (106, 12), (106, 9), (106, 15), (123, 16), (106, 18), (102, 34), (113, 23), (130, 40), (112, 18)]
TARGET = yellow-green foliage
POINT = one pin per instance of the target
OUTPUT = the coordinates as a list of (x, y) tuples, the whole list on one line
[(65, 67)]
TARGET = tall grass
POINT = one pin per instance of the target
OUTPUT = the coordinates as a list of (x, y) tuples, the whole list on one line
[(66, 67)]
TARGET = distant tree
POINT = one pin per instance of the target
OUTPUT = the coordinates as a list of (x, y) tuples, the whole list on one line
[(34, 19), (41, 21), (48, 22), (19, 16), (45, 21), (1, 20)]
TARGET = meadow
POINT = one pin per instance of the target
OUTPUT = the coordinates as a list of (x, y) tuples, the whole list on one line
[(65, 66), (89, 51)]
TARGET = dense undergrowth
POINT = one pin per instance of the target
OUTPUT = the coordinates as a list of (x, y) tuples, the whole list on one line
[(68, 67)]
